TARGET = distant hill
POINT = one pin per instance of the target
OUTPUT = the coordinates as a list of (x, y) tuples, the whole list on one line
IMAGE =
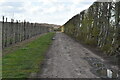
[(50, 25)]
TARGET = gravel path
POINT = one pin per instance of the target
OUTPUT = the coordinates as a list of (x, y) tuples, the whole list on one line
[(65, 59)]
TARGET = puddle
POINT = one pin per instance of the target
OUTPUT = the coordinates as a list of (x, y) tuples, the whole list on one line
[(100, 69), (53, 38), (98, 64), (106, 73)]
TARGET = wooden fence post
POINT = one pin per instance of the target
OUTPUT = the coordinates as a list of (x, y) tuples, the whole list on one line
[(3, 40)]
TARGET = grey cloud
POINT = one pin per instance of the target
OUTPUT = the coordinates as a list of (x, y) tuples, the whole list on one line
[(12, 7), (12, 4), (13, 10)]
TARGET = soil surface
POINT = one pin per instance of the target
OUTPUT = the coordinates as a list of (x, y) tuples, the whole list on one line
[(66, 58)]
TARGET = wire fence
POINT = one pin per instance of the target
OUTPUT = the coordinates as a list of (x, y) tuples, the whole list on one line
[(13, 32)]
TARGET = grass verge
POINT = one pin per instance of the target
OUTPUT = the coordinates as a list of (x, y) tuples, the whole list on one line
[(26, 59)]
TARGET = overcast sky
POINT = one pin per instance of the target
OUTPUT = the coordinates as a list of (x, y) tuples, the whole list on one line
[(43, 11)]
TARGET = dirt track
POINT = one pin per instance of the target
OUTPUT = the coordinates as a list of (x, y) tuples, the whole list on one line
[(65, 59)]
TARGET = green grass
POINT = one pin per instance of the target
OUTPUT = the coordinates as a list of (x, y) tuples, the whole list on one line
[(27, 59)]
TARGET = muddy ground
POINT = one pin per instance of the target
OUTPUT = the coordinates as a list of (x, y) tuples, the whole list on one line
[(67, 58)]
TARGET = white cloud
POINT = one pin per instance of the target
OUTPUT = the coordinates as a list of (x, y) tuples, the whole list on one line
[(2, 0), (49, 11), (47, 1)]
